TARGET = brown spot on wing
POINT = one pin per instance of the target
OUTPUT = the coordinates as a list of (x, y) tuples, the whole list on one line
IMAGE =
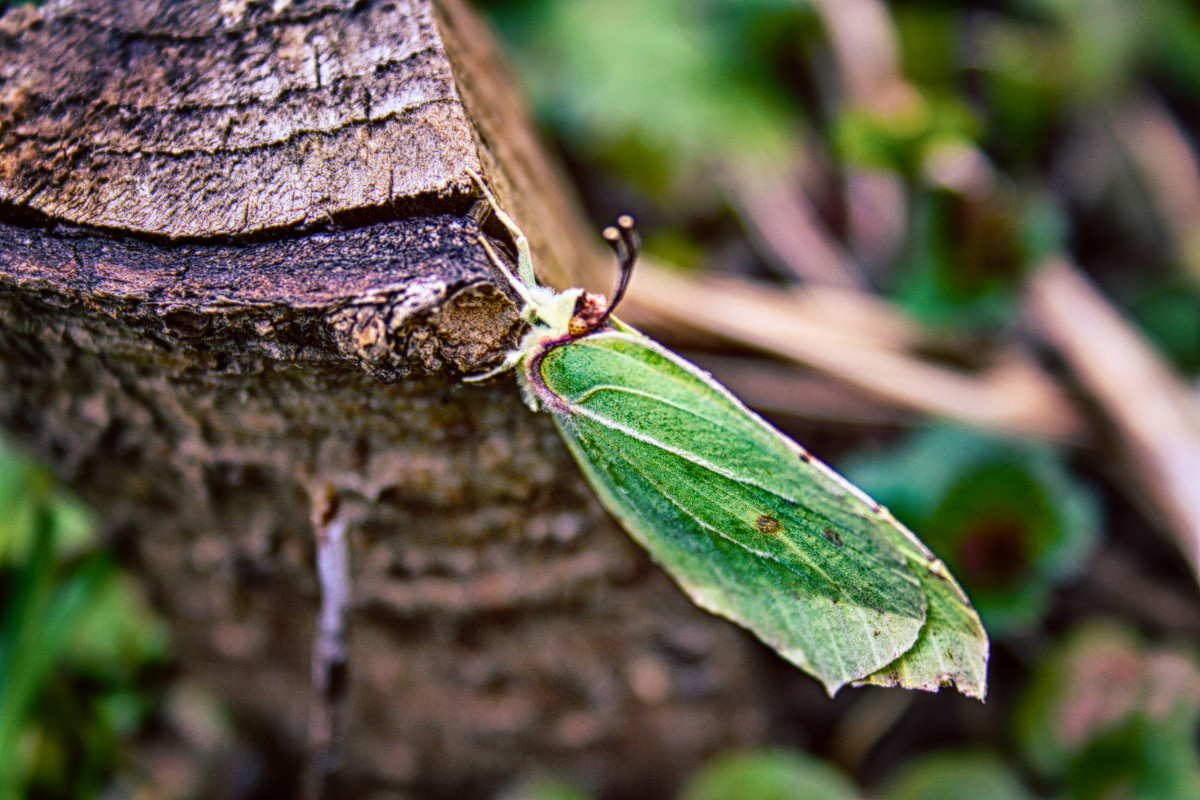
[(768, 524)]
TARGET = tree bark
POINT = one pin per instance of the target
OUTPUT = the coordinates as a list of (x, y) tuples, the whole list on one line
[(238, 273)]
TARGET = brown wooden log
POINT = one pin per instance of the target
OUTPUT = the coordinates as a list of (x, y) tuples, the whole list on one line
[(237, 272)]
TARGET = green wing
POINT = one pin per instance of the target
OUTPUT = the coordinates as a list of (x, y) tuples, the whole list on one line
[(744, 521), (953, 646)]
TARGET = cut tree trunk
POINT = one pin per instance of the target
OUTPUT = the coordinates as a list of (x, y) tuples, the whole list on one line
[(239, 273)]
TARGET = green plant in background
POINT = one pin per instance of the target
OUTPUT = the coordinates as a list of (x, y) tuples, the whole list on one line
[(902, 139), (954, 776), (769, 774), (776, 774), (655, 90), (657, 93), (1007, 516), (1108, 716), (962, 266), (786, 774), (75, 638), (1169, 313), (544, 787)]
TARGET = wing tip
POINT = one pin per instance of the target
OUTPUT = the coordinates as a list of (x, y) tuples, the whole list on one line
[(968, 687)]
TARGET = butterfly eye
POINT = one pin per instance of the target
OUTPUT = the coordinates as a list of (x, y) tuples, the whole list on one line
[(590, 315), (577, 327)]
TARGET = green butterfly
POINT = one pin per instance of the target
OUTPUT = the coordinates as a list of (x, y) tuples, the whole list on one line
[(749, 525)]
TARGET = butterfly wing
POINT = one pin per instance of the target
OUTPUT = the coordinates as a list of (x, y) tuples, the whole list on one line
[(749, 525)]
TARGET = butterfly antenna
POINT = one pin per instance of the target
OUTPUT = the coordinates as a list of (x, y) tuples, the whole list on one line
[(625, 242)]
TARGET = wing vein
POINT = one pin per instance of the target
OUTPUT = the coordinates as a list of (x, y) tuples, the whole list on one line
[(808, 558), (692, 458)]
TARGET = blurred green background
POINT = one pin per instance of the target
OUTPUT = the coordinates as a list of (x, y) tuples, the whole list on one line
[(939, 151)]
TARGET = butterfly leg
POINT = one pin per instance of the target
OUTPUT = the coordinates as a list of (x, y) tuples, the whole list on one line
[(510, 361), (524, 257), (516, 284)]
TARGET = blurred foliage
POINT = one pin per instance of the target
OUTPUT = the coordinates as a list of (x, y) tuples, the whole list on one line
[(1007, 516), (965, 261), (1169, 313), (901, 139), (953, 776), (655, 95), (650, 88), (544, 787), (769, 775), (76, 639), (773, 774), (1108, 716)]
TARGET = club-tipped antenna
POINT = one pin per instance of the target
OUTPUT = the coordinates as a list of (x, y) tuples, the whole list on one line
[(625, 242)]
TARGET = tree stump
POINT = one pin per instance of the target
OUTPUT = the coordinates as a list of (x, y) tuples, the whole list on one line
[(238, 272)]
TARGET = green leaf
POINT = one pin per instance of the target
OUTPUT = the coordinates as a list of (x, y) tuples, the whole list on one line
[(901, 138), (769, 775), (545, 787), (119, 633), (952, 776), (1169, 313)]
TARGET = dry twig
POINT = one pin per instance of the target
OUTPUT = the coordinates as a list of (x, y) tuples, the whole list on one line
[(1155, 416), (1012, 395)]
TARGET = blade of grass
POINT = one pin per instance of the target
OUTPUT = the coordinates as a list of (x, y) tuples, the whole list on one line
[(39, 618)]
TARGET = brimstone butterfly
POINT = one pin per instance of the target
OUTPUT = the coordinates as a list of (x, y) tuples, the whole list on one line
[(749, 525)]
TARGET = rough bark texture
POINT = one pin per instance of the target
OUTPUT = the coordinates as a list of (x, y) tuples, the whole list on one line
[(236, 269), (197, 119)]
